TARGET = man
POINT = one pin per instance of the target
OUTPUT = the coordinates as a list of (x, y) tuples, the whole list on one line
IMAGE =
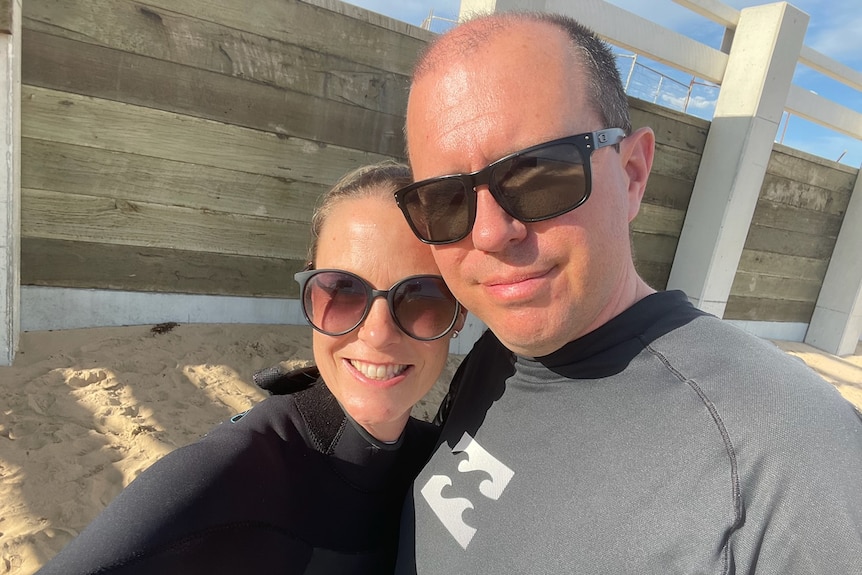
[(601, 427)]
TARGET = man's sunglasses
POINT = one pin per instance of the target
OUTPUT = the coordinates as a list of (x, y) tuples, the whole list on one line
[(534, 184), (336, 302)]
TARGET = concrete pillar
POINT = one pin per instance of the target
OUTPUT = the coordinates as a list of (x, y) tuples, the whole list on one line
[(837, 321), (10, 173), (760, 68)]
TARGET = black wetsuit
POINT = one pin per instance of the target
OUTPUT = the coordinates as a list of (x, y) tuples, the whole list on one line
[(665, 441), (291, 486)]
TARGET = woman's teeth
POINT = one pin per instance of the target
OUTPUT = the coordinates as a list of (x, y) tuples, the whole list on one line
[(376, 371)]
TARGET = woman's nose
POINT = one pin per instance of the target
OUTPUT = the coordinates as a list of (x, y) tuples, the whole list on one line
[(379, 329)]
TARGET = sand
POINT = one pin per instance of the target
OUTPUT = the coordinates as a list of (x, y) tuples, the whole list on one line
[(83, 412)]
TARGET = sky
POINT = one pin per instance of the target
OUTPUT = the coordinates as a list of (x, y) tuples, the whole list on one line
[(834, 29)]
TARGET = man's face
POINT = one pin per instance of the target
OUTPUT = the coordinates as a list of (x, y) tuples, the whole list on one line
[(538, 285)]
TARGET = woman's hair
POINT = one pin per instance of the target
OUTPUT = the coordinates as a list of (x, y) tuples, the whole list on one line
[(376, 180)]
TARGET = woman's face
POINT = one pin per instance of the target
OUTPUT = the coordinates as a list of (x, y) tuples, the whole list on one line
[(377, 372)]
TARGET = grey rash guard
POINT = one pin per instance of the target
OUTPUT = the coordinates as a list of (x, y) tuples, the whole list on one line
[(666, 441)]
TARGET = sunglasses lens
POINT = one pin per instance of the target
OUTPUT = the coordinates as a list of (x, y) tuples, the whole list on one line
[(335, 302), (542, 184), (424, 307), (439, 210)]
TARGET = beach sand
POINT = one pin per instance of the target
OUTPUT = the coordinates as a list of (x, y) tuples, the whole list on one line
[(83, 412)]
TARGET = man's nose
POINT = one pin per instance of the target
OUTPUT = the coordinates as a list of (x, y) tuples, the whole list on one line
[(494, 229)]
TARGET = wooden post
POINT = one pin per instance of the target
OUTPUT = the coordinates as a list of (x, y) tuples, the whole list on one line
[(10, 173)]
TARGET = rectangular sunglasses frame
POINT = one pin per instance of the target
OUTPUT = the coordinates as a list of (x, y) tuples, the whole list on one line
[(585, 143)]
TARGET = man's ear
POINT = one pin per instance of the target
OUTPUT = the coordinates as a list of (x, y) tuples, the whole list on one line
[(637, 151)]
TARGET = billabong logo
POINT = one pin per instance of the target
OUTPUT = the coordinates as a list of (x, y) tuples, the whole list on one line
[(450, 509)]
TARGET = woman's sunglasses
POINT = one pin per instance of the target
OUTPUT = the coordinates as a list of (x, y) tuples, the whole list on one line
[(535, 184), (336, 302)]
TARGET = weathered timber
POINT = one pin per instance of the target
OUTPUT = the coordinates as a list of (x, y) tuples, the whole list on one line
[(653, 273), (778, 241), (210, 47), (71, 66), (672, 129), (658, 220), (80, 170), (771, 287), (675, 163), (288, 21), (668, 192), (653, 247), (798, 194), (801, 167), (783, 265), (763, 309), (6, 7), (63, 263), (89, 218), (82, 120), (781, 216)]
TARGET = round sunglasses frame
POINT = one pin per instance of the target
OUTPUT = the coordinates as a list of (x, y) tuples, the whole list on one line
[(371, 294)]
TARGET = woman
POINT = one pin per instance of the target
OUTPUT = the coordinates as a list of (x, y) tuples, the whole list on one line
[(311, 482)]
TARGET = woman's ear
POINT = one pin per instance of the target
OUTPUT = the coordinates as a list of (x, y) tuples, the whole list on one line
[(461, 320)]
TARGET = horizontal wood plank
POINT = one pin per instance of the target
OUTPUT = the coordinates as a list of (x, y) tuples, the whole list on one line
[(81, 68), (145, 25), (210, 47), (85, 121), (668, 192), (749, 284), (783, 217), (778, 241), (63, 263), (764, 309), (653, 248), (815, 173), (658, 220), (63, 216), (675, 163), (783, 265), (672, 129), (57, 167), (653, 273), (798, 194), (6, 8)]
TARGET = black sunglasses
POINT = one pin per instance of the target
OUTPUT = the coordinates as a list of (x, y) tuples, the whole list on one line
[(534, 184), (336, 302)]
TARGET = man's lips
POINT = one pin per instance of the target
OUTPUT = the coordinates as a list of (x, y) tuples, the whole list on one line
[(515, 287)]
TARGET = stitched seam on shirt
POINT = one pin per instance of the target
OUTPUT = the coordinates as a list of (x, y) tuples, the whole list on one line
[(728, 445)]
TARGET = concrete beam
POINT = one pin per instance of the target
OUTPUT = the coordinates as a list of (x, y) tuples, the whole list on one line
[(760, 68), (10, 173), (836, 325), (622, 28)]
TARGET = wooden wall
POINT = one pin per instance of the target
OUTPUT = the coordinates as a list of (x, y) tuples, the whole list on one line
[(791, 239), (680, 140), (180, 145)]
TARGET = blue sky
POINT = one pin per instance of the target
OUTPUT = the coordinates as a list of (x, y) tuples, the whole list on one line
[(835, 29)]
